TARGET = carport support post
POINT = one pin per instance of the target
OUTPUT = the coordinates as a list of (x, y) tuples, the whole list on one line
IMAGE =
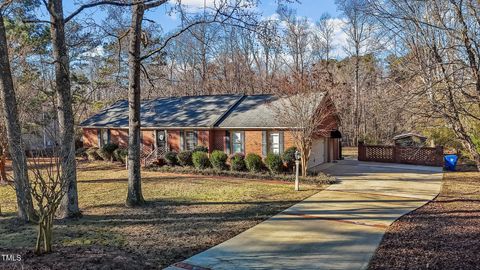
[(297, 184)]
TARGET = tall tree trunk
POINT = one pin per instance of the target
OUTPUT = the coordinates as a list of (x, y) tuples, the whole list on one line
[(69, 206), (134, 195), (356, 98), (14, 133)]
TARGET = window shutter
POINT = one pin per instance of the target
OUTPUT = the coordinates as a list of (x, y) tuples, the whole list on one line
[(108, 136), (264, 143), (182, 140), (99, 137), (195, 138), (243, 142), (227, 142), (280, 140)]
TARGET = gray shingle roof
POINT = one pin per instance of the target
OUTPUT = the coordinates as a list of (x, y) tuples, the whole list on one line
[(193, 111), (224, 111), (253, 111)]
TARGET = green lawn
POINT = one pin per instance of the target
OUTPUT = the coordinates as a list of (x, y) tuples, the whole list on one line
[(185, 214)]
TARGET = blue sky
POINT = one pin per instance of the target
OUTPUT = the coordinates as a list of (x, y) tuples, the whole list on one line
[(311, 9)]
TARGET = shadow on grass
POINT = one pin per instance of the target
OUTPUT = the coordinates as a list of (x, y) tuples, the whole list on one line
[(160, 233)]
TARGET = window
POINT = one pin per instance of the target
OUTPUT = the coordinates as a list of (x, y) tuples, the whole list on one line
[(237, 142), (275, 143), (190, 140)]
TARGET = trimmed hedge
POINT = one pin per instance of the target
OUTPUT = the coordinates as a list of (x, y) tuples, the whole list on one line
[(81, 153), (320, 179), (185, 158), (110, 147), (104, 155), (171, 158), (218, 159), (289, 157), (254, 162), (237, 162), (120, 154), (106, 152), (92, 153), (274, 163), (200, 160), (201, 148)]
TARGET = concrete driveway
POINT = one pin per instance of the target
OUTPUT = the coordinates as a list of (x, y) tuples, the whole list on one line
[(338, 228)]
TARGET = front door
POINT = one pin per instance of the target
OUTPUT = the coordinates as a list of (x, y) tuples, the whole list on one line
[(161, 139)]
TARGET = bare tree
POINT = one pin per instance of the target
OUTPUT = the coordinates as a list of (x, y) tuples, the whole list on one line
[(442, 52), (297, 38), (47, 191), (325, 34), (359, 29), (222, 11), (14, 134), (308, 110), (57, 23)]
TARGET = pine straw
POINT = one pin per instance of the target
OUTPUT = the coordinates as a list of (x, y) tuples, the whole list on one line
[(444, 234)]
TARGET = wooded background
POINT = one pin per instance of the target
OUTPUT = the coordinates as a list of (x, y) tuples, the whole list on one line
[(407, 65)]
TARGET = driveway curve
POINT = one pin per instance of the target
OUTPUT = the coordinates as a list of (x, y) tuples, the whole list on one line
[(338, 228)]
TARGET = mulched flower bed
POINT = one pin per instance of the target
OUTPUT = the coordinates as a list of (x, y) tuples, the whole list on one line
[(320, 178), (444, 234)]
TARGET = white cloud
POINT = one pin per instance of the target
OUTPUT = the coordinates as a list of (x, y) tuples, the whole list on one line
[(340, 37), (197, 3)]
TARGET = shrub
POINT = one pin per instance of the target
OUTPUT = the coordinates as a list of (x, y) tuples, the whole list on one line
[(92, 153), (254, 162), (289, 157), (315, 179), (200, 160), (104, 155), (201, 148), (218, 159), (110, 147), (81, 153), (171, 158), (274, 163), (121, 154), (185, 158), (160, 162), (106, 152), (237, 162)]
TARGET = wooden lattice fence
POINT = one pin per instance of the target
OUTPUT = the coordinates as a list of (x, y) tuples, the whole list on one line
[(430, 156)]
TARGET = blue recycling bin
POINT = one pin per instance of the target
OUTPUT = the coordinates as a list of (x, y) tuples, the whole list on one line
[(451, 162)]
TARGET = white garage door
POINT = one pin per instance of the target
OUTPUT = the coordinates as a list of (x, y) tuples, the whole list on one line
[(317, 155)]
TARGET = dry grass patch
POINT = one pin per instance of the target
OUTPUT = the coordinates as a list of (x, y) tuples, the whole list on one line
[(185, 215), (444, 234)]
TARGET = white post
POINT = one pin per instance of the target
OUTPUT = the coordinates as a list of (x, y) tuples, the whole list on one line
[(297, 184)]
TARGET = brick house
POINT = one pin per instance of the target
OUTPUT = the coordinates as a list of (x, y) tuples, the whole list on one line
[(230, 123)]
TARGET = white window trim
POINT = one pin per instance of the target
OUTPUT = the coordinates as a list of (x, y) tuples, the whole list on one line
[(270, 142), (242, 143), (195, 135)]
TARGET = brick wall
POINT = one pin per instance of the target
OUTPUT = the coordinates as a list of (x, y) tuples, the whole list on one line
[(253, 142), (174, 140), (219, 140), (288, 139), (214, 140), (203, 138), (148, 138), (119, 136), (90, 137)]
